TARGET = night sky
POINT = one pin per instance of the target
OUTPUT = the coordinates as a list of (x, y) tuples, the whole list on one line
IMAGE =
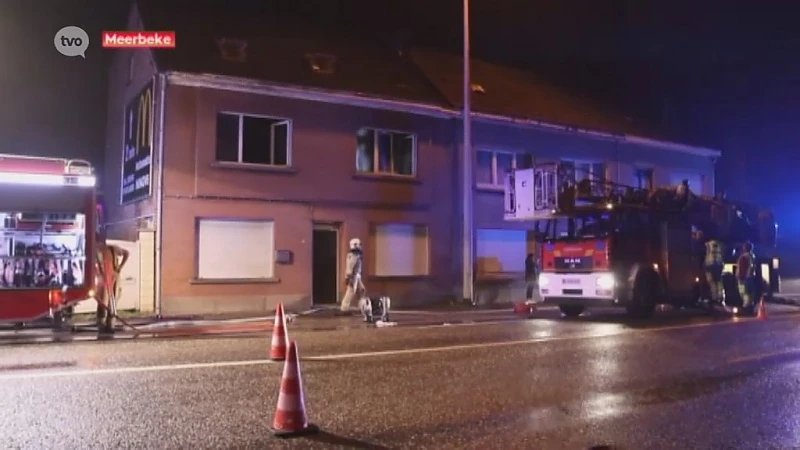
[(720, 74)]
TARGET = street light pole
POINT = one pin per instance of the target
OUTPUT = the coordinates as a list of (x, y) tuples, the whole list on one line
[(466, 171)]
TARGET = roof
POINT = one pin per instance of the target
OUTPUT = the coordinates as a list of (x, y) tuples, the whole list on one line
[(278, 52), (508, 92)]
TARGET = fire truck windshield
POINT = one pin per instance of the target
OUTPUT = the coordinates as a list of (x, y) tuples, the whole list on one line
[(582, 226)]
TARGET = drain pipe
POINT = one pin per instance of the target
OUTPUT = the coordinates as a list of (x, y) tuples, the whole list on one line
[(159, 222)]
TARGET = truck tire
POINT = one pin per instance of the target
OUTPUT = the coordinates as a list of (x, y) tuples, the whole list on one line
[(572, 310), (643, 302)]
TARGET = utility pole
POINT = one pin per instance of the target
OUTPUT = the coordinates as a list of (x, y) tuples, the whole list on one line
[(466, 171)]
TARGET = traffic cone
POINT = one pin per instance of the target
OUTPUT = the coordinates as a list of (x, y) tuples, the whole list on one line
[(279, 336), (762, 310), (290, 415)]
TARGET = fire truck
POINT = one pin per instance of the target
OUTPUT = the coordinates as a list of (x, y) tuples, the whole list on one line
[(604, 244), (48, 219)]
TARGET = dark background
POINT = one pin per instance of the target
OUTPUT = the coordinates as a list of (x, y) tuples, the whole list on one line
[(718, 73)]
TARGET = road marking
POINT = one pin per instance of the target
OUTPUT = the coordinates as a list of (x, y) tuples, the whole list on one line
[(139, 369), (756, 357), (345, 356)]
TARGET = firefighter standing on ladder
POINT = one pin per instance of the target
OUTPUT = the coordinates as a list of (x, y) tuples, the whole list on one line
[(110, 261)]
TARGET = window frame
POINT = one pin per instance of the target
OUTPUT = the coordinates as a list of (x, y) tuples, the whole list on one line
[(278, 121), (376, 153), (373, 251), (197, 276), (591, 163), (498, 182)]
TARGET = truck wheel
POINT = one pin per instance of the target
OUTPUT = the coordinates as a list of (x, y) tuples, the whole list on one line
[(572, 310)]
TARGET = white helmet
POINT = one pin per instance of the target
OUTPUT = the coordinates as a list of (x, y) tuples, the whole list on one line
[(355, 243)]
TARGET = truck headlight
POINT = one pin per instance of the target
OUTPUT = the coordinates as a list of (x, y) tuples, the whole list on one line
[(606, 281), (543, 280)]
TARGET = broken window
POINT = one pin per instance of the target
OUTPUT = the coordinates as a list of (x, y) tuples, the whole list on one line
[(385, 152)]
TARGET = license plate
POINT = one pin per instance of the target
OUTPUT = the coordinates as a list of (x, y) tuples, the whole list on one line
[(571, 281)]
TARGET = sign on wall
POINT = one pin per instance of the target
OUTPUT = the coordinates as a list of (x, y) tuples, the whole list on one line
[(137, 153)]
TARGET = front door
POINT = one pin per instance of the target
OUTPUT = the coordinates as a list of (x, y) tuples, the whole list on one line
[(325, 264)]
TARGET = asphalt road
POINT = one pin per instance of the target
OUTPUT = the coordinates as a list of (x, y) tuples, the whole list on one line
[(681, 382)]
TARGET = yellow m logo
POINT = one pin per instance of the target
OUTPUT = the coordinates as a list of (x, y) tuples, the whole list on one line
[(144, 126)]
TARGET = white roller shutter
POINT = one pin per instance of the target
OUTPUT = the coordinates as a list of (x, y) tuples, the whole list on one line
[(499, 250), (231, 250)]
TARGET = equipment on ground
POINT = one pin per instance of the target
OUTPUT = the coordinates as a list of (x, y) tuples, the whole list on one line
[(607, 244), (373, 308), (48, 219)]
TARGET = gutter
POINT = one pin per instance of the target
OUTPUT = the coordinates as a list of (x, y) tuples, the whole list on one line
[(250, 86)]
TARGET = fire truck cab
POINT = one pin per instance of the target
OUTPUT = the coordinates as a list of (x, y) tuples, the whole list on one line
[(48, 219), (607, 245)]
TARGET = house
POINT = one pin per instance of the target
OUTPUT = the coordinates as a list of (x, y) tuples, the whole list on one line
[(240, 164)]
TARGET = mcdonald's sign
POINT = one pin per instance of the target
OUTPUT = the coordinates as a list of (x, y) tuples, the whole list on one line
[(138, 147)]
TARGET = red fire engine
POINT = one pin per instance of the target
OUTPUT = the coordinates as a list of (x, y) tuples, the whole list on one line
[(48, 218), (609, 245)]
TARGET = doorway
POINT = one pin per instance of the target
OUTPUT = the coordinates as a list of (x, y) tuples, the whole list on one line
[(325, 264)]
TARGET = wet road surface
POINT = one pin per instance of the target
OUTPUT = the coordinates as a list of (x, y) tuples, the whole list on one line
[(681, 382)]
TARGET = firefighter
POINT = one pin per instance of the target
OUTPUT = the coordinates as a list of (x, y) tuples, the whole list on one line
[(713, 265), (110, 261), (745, 274), (531, 274), (353, 266)]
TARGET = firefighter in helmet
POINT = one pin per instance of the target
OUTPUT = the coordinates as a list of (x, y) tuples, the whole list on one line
[(353, 267), (745, 274), (713, 265)]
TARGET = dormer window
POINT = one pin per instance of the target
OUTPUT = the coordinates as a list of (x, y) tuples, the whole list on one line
[(475, 87), (321, 63), (233, 50)]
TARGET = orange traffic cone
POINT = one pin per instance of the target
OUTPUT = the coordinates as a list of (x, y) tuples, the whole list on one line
[(762, 310), (279, 336), (290, 415)]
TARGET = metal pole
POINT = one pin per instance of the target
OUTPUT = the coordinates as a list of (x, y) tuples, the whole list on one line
[(467, 162)]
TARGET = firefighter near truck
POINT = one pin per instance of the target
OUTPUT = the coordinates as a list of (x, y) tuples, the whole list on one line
[(48, 219), (603, 244)]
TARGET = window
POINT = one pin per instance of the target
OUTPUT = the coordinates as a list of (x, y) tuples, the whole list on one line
[(401, 250), (386, 152), (589, 170), (492, 166), (253, 140), (643, 178), (235, 250)]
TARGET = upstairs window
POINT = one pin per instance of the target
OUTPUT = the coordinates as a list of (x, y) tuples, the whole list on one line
[(245, 139), (386, 152), (492, 166), (643, 179)]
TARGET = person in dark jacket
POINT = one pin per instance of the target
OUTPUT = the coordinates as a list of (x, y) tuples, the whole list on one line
[(531, 276)]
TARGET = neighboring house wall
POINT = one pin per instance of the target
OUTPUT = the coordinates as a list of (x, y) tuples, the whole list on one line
[(320, 184), (501, 246), (130, 71)]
